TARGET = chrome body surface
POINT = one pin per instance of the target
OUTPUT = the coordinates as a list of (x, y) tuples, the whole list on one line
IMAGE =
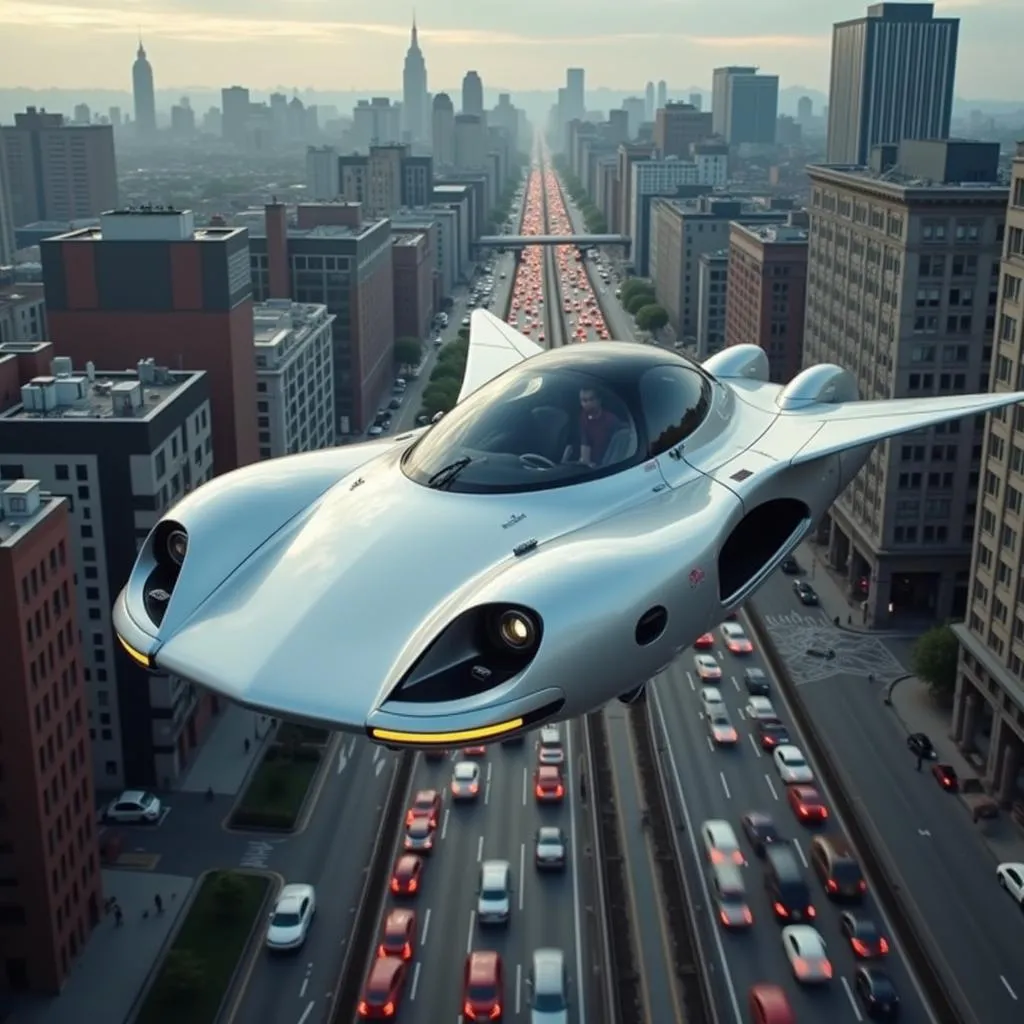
[(323, 586)]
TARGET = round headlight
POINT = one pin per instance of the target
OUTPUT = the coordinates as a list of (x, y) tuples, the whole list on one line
[(517, 630), (177, 546)]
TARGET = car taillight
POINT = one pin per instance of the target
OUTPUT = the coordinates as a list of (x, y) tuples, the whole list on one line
[(559, 790), (495, 1011), (748, 917), (738, 858), (780, 910), (723, 916), (382, 951), (862, 886), (467, 1011), (802, 811), (364, 1009), (394, 885), (859, 948), (388, 1009), (831, 885), (811, 912), (407, 951), (826, 968), (414, 884), (883, 946), (539, 791), (800, 966), (717, 856), (473, 788)]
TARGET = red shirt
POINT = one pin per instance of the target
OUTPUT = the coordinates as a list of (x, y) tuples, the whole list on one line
[(596, 432)]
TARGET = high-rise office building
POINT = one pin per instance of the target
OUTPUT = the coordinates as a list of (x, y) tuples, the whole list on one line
[(470, 143), (917, 320), (988, 706), (744, 105), (7, 243), (50, 858), (892, 79), (386, 180), (649, 102), (122, 446), (376, 122), (662, 95), (82, 114), (575, 95), (473, 95), (696, 100), (322, 179), (235, 106), (804, 109), (150, 283), (58, 171), (678, 127), (634, 108), (144, 95), (415, 100)]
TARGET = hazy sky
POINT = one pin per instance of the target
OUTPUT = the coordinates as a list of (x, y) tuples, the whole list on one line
[(359, 44)]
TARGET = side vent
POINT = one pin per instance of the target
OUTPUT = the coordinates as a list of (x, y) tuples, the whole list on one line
[(826, 384), (760, 540), (746, 362)]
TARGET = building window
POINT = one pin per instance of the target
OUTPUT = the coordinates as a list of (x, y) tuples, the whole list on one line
[(111, 767)]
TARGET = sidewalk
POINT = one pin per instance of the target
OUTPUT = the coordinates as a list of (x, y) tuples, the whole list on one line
[(223, 762)]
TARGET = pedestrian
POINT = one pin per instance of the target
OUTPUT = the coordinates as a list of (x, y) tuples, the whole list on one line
[(871, 677), (158, 903), (246, 744), (118, 916), (920, 761)]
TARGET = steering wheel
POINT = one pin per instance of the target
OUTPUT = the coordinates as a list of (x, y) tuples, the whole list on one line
[(531, 460)]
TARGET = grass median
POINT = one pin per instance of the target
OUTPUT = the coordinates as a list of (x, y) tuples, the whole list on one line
[(277, 789), (195, 975)]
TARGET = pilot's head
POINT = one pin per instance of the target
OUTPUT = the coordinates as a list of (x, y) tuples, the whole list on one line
[(590, 402)]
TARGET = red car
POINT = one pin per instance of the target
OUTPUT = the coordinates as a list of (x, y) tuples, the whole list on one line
[(483, 987), (807, 803), (548, 786), (478, 751), (704, 642), (382, 992), (405, 877), (426, 805), (770, 1005), (398, 936), (946, 777)]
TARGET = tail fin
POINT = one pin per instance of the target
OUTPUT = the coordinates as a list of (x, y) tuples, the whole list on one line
[(494, 347)]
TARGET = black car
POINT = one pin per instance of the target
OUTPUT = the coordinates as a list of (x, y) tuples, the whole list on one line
[(877, 993), (770, 734), (805, 592), (866, 940), (790, 566), (920, 745), (757, 682), (760, 831)]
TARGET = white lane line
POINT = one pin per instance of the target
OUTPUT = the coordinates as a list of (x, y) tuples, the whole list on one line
[(480, 850), (525, 785), (736, 683), (426, 928), (305, 981), (487, 792), (753, 743), (376, 753), (581, 1014), (1006, 985), (307, 1011), (469, 937), (853, 1002), (771, 785), (725, 786), (444, 822), (689, 679), (522, 874), (379, 768), (711, 745), (415, 979), (519, 987), (800, 852), (490, 766), (343, 759), (743, 714)]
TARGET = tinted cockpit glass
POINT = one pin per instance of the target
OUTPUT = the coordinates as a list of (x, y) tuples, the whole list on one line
[(675, 400), (531, 428)]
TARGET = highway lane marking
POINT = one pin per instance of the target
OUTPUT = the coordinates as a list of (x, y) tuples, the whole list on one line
[(711, 745), (526, 780), (573, 811), (376, 752), (800, 852), (490, 766), (444, 822), (305, 981), (1006, 985), (753, 743), (736, 683), (771, 785), (307, 1011), (469, 937), (426, 928), (522, 874), (415, 979), (487, 792), (480, 850), (689, 679), (725, 786), (519, 986), (379, 768), (853, 1002)]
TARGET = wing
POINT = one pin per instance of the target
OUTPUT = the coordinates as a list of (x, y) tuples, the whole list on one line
[(494, 347), (852, 424)]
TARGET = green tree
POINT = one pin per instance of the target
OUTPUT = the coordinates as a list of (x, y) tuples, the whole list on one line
[(458, 349), (408, 351), (181, 979), (651, 317), (228, 895), (449, 369), (633, 285), (440, 396), (637, 301), (934, 660)]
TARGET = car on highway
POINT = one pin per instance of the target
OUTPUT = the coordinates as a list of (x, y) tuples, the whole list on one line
[(426, 804), (769, 1004), (805, 592), (550, 750), (134, 806), (494, 892), (791, 765), (786, 886), (436, 754), (808, 958), (866, 941), (547, 987), (711, 700), (808, 804), (405, 875), (707, 667), (760, 830), (945, 775), (291, 917), (838, 869), (383, 988), (790, 566), (398, 934), (547, 784), (736, 639), (419, 836), (549, 848), (920, 745), (770, 734), (479, 750), (760, 708), (876, 992), (720, 842), (483, 986), (729, 892), (721, 730), (1011, 879), (704, 642), (756, 682), (465, 780)]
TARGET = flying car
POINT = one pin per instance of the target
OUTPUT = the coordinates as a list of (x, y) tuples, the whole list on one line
[(579, 518)]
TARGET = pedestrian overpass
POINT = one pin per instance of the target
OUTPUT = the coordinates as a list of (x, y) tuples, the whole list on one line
[(580, 241)]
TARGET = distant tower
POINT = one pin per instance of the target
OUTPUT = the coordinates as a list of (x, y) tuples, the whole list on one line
[(145, 98), (414, 90), (443, 131), (804, 109), (649, 102), (472, 94), (662, 94)]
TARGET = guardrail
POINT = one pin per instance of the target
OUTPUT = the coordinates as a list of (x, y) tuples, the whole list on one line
[(362, 940), (691, 969), (912, 931), (626, 997)]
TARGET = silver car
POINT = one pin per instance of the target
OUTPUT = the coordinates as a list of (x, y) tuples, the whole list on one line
[(494, 896), (549, 849), (547, 988)]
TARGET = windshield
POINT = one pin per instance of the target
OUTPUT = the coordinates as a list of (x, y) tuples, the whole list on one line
[(493, 893), (285, 919), (481, 993), (549, 1002)]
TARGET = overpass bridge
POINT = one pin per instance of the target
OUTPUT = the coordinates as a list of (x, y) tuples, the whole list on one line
[(580, 241)]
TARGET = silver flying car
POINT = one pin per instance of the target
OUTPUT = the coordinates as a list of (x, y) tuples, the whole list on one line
[(579, 518)]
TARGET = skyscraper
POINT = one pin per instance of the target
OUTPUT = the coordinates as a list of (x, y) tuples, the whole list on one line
[(472, 94), (649, 102), (744, 105), (443, 131), (892, 79), (414, 91), (6, 214), (145, 98), (234, 105), (575, 95), (662, 94)]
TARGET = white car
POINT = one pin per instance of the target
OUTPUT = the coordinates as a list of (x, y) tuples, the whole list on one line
[(760, 708), (547, 987), (711, 700), (720, 729), (549, 849), (1011, 878), (707, 667), (465, 780), (134, 805), (720, 842), (494, 896), (805, 950), (291, 917), (792, 766)]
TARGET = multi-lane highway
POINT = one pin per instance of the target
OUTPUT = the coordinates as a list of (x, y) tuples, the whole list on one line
[(714, 783), (943, 866)]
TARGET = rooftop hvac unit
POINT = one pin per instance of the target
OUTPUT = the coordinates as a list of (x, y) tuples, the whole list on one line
[(32, 397), (61, 366), (127, 397), (103, 387)]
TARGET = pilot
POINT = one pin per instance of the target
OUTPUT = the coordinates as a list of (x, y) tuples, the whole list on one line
[(597, 425)]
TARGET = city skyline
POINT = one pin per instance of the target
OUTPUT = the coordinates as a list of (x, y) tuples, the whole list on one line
[(331, 49)]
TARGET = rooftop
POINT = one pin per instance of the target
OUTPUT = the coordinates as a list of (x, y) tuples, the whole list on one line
[(93, 394), (408, 239), (23, 505), (15, 295), (282, 327), (775, 234)]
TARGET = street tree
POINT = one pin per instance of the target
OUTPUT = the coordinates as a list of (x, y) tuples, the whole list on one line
[(651, 317), (634, 284), (449, 369), (440, 396), (934, 661), (408, 351), (637, 301)]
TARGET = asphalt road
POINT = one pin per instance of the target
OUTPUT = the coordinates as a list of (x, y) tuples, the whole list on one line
[(727, 784), (942, 864), (546, 908)]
